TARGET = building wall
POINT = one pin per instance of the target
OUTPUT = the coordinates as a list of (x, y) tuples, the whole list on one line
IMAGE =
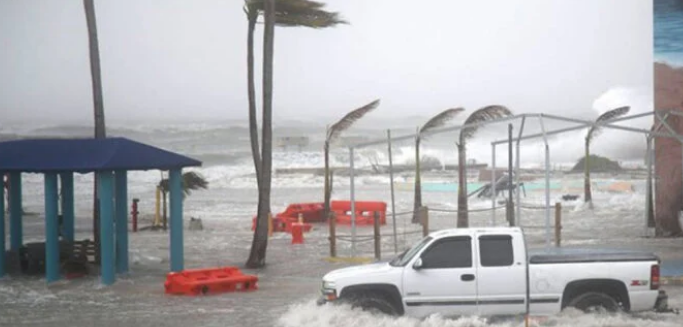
[(668, 156), (668, 95)]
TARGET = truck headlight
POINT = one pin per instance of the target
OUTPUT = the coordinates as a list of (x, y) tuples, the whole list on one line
[(327, 285), (329, 291)]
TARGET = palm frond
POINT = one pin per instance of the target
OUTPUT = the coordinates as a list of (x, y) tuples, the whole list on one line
[(192, 181), (607, 116), (348, 120), (482, 115), (297, 13), (289, 5), (440, 120), (311, 19)]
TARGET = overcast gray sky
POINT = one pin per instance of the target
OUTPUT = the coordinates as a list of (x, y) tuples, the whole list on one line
[(184, 58)]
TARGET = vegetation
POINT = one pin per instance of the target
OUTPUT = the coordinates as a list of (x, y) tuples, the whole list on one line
[(333, 134), (287, 13), (593, 132), (192, 181), (435, 122), (596, 164), (482, 115)]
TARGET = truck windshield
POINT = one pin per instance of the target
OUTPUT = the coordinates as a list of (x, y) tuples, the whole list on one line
[(403, 258)]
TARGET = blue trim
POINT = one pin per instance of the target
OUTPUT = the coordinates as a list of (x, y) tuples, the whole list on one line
[(121, 187), (106, 228), (51, 228), (175, 181), (2, 226), (15, 215), (68, 215)]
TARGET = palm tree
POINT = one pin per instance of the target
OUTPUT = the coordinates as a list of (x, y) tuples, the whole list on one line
[(192, 181), (436, 122), (593, 132), (482, 115), (332, 135), (252, 16), (100, 128), (257, 255), (288, 13)]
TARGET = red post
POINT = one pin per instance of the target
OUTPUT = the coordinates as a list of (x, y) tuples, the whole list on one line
[(134, 213), (297, 233)]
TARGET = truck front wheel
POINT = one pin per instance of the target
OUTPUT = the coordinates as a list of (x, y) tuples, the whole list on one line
[(594, 302), (374, 303)]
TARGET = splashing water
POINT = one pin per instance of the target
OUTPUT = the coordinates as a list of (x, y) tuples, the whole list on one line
[(309, 314)]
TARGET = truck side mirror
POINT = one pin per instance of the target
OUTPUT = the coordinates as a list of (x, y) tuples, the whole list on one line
[(418, 264)]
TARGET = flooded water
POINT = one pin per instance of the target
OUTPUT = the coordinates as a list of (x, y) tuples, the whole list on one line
[(290, 282)]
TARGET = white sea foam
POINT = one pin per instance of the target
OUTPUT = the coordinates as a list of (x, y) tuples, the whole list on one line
[(308, 314)]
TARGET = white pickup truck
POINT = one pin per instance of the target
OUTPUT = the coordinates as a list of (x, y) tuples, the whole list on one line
[(484, 271)]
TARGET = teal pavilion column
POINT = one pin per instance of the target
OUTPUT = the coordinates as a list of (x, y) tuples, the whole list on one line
[(175, 181)]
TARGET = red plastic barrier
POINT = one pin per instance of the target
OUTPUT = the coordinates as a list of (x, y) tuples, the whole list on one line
[(297, 233), (209, 281), (279, 224), (310, 212), (305, 227), (364, 212)]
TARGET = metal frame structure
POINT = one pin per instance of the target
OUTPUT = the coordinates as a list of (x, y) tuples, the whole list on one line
[(660, 121)]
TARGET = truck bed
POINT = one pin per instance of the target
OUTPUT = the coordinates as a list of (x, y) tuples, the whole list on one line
[(584, 255)]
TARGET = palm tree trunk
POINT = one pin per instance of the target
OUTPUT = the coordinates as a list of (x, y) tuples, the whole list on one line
[(100, 128), (463, 220), (251, 90), (417, 203), (257, 256), (327, 188), (588, 197)]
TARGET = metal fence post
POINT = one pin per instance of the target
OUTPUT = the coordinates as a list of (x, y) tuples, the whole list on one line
[(378, 240), (558, 224)]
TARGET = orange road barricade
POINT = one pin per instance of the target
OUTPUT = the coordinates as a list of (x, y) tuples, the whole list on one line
[(209, 281), (282, 222), (364, 212)]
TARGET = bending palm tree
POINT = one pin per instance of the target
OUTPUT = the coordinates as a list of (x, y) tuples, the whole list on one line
[(592, 133), (286, 13), (436, 122), (332, 135), (484, 114), (100, 128), (192, 181)]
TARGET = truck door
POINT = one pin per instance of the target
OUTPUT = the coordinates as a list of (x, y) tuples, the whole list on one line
[(442, 279), (501, 274)]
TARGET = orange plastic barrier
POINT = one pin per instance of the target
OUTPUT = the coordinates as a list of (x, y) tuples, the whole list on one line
[(209, 281), (297, 233), (364, 212), (310, 212), (304, 227), (279, 224)]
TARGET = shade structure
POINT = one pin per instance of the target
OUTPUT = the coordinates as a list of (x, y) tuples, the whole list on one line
[(110, 159)]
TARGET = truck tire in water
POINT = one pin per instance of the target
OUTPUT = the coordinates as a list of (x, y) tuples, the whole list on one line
[(594, 302), (374, 303)]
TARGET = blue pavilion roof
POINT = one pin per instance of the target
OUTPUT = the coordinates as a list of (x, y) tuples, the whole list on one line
[(87, 155)]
